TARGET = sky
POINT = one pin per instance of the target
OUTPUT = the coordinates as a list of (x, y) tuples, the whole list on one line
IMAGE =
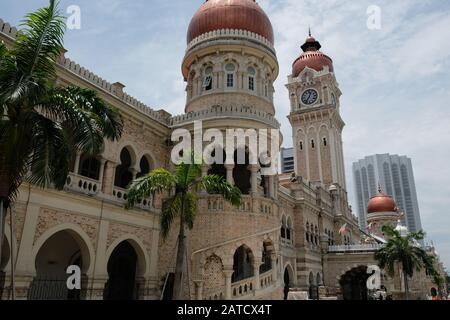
[(395, 79)]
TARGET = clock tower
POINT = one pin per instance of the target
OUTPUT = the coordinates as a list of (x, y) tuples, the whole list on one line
[(315, 118)]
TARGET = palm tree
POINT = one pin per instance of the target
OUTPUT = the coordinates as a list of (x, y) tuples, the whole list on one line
[(42, 124), (404, 251), (183, 187)]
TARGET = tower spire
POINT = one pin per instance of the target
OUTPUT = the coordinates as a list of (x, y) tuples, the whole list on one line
[(309, 31)]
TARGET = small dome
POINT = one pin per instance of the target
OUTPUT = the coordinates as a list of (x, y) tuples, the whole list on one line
[(230, 14), (381, 203), (403, 230), (311, 57)]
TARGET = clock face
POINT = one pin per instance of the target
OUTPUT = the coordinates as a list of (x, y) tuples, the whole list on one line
[(310, 96)]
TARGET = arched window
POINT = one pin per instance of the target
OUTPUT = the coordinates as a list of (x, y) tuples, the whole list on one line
[(325, 142), (313, 144), (251, 78), (307, 232), (301, 145), (230, 70), (266, 261), (123, 172), (289, 229), (89, 167), (144, 166), (283, 228), (208, 79)]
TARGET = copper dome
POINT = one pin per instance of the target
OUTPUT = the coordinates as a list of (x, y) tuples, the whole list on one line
[(381, 203), (312, 58), (230, 14)]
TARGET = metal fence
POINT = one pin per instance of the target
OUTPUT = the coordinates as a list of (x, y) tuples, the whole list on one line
[(51, 289)]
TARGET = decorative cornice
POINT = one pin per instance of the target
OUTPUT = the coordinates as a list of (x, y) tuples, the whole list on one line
[(217, 112), (231, 33)]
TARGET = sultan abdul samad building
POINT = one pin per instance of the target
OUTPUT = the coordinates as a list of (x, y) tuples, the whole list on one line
[(288, 231)]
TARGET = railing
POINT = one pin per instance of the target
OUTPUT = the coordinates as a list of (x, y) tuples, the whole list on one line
[(82, 184), (121, 195), (265, 206), (355, 248), (266, 279), (215, 295), (287, 242), (249, 204), (243, 287)]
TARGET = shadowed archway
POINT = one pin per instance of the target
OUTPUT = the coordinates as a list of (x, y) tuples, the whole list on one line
[(354, 284)]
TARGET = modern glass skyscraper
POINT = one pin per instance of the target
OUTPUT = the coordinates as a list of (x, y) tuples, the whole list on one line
[(395, 175)]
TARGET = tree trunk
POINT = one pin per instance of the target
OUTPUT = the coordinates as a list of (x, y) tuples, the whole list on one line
[(406, 286), (181, 258)]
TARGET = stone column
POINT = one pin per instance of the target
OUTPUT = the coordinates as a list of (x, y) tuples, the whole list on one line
[(230, 168), (228, 272), (254, 179), (256, 273), (110, 173), (76, 168), (134, 171), (102, 172), (199, 289), (274, 268)]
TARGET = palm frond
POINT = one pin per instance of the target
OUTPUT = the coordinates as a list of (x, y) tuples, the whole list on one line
[(88, 119), (40, 43), (155, 182), (50, 157), (215, 184), (171, 208)]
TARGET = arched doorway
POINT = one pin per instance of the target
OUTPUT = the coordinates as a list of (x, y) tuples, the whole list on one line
[(218, 167), (242, 264), (288, 280), (122, 266), (241, 173), (354, 284), (313, 288), (63, 249)]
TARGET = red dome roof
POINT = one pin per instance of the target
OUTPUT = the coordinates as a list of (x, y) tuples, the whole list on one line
[(381, 203), (230, 14), (311, 58)]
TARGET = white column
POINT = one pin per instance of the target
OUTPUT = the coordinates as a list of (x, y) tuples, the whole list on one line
[(228, 272), (199, 289), (254, 179), (257, 279), (230, 168), (274, 268), (76, 167), (102, 172)]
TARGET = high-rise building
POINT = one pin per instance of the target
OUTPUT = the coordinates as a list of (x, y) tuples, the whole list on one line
[(395, 176), (287, 160)]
